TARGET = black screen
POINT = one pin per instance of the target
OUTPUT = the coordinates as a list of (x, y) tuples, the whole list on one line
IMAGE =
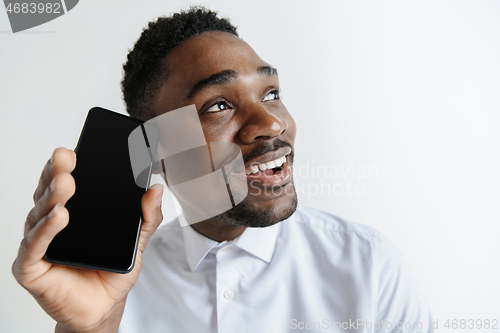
[(105, 211)]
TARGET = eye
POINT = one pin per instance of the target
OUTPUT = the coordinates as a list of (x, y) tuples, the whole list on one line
[(272, 95), (219, 106)]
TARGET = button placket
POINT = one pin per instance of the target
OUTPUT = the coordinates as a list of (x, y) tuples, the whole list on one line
[(228, 294), (227, 281)]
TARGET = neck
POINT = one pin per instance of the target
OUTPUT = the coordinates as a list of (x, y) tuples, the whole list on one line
[(218, 232)]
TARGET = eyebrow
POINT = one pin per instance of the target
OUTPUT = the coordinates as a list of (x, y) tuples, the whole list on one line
[(224, 77), (267, 70)]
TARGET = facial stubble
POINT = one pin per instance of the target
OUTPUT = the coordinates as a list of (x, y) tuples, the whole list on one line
[(251, 214)]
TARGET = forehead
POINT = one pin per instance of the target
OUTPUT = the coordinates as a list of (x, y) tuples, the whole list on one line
[(209, 53)]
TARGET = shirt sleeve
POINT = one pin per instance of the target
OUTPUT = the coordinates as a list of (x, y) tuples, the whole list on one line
[(401, 304)]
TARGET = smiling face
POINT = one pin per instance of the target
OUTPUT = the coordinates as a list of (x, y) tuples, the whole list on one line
[(237, 97)]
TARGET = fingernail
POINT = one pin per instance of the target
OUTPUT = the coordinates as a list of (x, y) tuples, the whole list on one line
[(53, 211), (160, 196), (52, 186)]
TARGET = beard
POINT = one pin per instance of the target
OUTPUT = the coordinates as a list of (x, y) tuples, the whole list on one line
[(252, 212), (249, 214)]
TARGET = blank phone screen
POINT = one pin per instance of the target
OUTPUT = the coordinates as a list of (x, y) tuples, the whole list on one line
[(105, 211)]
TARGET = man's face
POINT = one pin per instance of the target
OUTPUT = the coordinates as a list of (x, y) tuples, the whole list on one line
[(237, 97)]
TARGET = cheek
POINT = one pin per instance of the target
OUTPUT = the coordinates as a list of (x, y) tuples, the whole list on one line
[(224, 131)]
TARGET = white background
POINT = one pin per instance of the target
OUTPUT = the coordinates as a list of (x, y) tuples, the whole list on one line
[(409, 89)]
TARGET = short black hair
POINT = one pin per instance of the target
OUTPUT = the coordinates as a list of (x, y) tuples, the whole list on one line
[(144, 72)]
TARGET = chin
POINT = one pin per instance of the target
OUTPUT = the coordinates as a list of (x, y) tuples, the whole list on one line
[(261, 211)]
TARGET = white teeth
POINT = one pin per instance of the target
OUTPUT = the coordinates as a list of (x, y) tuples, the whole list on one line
[(268, 165)]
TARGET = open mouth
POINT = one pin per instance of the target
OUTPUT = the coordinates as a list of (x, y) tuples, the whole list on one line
[(270, 174), (276, 166)]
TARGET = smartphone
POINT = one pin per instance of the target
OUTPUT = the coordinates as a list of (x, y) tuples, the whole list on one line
[(105, 213)]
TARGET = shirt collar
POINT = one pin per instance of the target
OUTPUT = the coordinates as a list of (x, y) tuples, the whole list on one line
[(196, 245), (259, 242)]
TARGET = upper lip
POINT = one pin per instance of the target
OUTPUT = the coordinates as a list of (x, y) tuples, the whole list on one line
[(269, 156)]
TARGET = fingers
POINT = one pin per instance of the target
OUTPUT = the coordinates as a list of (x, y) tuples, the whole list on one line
[(151, 212), (48, 217), (56, 185), (60, 189), (37, 240), (62, 161)]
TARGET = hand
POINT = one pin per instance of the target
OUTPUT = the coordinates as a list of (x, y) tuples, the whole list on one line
[(80, 300)]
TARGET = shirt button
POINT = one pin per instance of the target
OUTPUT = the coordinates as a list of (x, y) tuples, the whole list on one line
[(228, 294), (225, 249)]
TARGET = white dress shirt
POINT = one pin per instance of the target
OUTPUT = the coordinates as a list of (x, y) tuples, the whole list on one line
[(313, 272)]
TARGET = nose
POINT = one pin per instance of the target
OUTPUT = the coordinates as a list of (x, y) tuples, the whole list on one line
[(261, 123)]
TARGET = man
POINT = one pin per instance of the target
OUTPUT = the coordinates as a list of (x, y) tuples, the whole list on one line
[(241, 270)]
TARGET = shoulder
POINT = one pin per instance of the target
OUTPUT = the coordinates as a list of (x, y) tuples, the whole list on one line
[(167, 231), (315, 220), (328, 231), (165, 250), (324, 235)]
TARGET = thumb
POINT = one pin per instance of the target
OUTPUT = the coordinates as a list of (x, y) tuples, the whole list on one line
[(151, 214)]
